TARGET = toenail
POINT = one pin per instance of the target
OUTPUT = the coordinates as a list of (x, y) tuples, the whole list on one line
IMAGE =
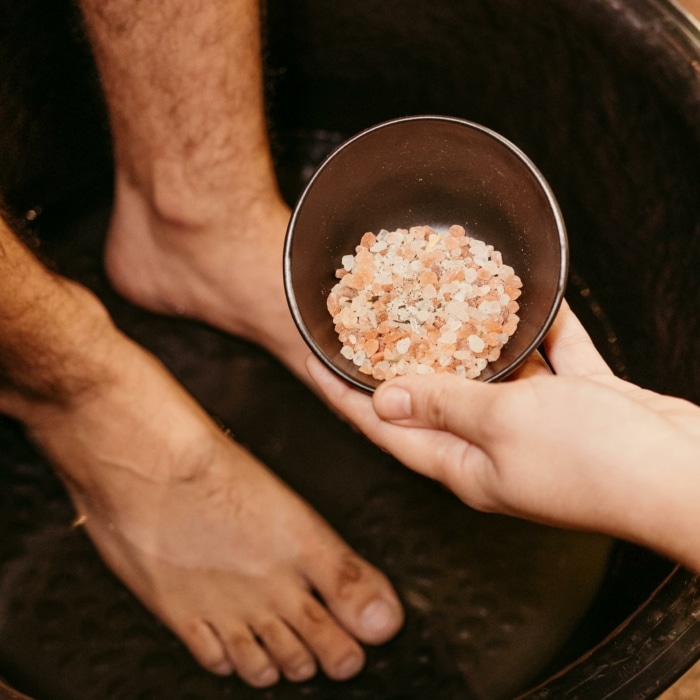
[(223, 669), (378, 618), (269, 676), (349, 666), (303, 673)]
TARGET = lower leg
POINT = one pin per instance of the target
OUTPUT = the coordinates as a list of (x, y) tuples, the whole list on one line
[(208, 539), (198, 223)]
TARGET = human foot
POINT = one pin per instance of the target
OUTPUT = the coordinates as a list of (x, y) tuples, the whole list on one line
[(225, 270), (213, 543), (198, 222)]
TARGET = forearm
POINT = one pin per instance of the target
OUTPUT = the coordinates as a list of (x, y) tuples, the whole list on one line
[(662, 512)]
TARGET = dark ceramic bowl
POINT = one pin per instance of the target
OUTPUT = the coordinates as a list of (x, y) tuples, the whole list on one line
[(423, 170)]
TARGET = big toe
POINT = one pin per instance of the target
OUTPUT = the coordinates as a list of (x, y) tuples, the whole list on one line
[(380, 619), (361, 598)]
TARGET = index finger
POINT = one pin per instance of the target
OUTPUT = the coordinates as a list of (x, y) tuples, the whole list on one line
[(570, 349)]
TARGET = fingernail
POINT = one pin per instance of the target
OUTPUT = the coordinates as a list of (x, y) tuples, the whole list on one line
[(393, 403), (378, 618)]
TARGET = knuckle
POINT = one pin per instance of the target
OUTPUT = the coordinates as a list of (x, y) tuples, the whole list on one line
[(314, 612), (240, 643), (438, 405)]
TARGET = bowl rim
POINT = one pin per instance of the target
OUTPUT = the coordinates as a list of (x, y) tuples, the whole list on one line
[(503, 141)]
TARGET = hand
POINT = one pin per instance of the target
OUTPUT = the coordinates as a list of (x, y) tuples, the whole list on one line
[(579, 448)]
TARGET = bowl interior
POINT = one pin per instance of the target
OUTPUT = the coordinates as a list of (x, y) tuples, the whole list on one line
[(425, 170)]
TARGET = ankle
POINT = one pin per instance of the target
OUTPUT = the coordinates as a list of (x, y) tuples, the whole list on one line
[(168, 201)]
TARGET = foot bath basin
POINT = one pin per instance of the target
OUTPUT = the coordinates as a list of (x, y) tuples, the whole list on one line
[(603, 97)]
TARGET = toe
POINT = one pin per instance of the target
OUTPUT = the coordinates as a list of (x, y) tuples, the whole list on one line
[(361, 597), (206, 646), (288, 651), (340, 656), (252, 663)]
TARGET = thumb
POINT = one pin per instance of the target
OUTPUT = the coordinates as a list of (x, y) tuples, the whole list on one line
[(444, 402)]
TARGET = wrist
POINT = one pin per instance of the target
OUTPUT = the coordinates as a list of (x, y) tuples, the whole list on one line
[(655, 508)]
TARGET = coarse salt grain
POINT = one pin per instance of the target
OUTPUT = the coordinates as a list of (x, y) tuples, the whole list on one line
[(417, 301)]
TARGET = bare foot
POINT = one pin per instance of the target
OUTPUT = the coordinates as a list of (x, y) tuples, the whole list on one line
[(226, 272), (213, 543)]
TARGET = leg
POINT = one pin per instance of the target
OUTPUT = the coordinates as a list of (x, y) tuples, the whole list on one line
[(198, 223), (209, 540)]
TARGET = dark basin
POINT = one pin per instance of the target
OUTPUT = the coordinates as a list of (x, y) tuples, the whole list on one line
[(605, 98)]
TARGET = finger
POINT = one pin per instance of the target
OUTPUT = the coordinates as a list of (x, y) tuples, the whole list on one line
[(535, 366), (418, 448), (354, 405), (350, 403), (441, 402), (570, 349), (449, 409)]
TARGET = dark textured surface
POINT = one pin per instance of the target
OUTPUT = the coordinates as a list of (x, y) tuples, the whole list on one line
[(603, 96)]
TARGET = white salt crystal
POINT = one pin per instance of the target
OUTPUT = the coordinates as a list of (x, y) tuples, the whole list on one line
[(490, 307), (423, 315), (393, 237), (403, 345), (429, 291), (476, 344), (470, 275), (359, 358)]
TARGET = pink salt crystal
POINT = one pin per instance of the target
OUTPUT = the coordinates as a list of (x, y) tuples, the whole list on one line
[(371, 347), (422, 281), (368, 240)]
